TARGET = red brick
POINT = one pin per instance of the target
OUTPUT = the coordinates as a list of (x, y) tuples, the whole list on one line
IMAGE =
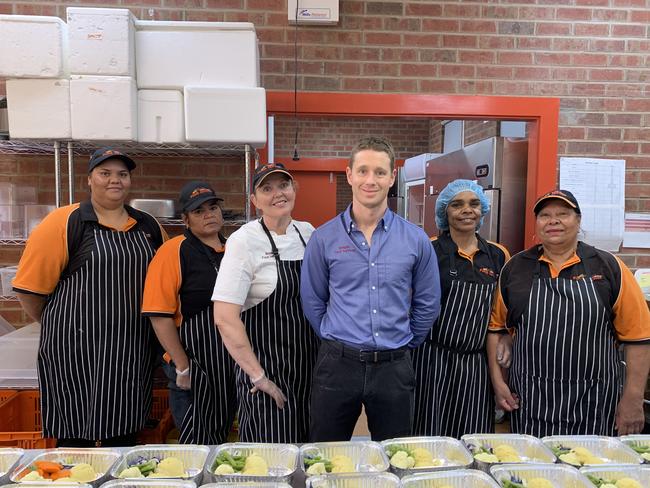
[(361, 53), (419, 70), (542, 89), (380, 69), (499, 12), (282, 51), (536, 13), (309, 36), (610, 15), (422, 40), (606, 75), (265, 5), (384, 8), (400, 85), (588, 89), (493, 72), (588, 59), (633, 120), (573, 104), (438, 55), (223, 3), (552, 29), (205, 16), (636, 191), (513, 88), (277, 82), (479, 26), (342, 69), (592, 3), (6, 8), (627, 60), (475, 87), (628, 30), (573, 14), (459, 41), (551, 59), (643, 261), (621, 148), (456, 71), (571, 133), (267, 35), (607, 46), (532, 73), (469, 11), (538, 43), (571, 44), (304, 67), (590, 30), (390, 54), (321, 83), (437, 86), (634, 45), (349, 7), (440, 25), (516, 28), (495, 42), (586, 119), (402, 24), (321, 52), (477, 57), (629, 3), (361, 23), (642, 16), (584, 148), (637, 105), (383, 38), (605, 104), (423, 9), (35, 9), (361, 84), (637, 134), (640, 162), (604, 133), (183, 3)]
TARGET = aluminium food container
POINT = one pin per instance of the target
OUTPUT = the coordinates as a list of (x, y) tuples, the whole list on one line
[(101, 461), (247, 484), (609, 449), (9, 458), (458, 478), (151, 483), (559, 475), (354, 480), (452, 453), (366, 456), (192, 456), (530, 449), (282, 460), (638, 441), (615, 472)]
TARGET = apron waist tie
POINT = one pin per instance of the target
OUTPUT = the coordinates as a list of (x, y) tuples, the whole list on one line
[(464, 352)]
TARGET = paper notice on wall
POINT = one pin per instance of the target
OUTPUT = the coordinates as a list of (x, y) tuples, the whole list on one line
[(599, 186), (643, 278), (637, 230)]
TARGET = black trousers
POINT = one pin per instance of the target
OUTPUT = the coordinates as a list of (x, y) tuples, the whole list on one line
[(342, 384)]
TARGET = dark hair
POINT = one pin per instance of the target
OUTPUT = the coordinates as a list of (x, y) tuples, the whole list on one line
[(374, 143)]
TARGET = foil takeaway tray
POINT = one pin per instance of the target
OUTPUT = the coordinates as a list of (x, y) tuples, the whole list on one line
[(366, 456), (247, 484), (638, 441), (530, 449), (609, 449), (560, 475), (451, 452), (152, 483), (615, 472), (354, 480), (101, 461), (192, 456), (282, 460), (9, 458), (458, 478)]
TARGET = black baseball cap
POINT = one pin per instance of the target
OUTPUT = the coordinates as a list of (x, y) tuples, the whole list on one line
[(263, 170), (565, 195), (196, 193), (104, 153)]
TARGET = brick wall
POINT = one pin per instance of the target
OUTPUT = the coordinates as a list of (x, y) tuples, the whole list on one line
[(592, 54)]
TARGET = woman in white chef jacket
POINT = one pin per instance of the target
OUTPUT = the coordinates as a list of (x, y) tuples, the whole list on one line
[(260, 317)]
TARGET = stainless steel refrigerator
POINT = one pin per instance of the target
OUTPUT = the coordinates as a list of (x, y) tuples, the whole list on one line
[(499, 165)]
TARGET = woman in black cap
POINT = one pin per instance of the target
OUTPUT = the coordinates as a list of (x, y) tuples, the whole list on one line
[(177, 298), (81, 276), (570, 305), (260, 316)]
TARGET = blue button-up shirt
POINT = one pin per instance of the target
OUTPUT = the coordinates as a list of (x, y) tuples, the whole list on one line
[(372, 297)]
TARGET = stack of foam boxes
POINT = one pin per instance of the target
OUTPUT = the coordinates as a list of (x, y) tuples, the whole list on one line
[(107, 76)]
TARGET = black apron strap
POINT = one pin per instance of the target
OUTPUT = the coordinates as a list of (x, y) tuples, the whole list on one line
[(204, 248), (274, 248)]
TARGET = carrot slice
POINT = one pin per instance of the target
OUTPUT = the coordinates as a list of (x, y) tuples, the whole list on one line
[(64, 473), (48, 466)]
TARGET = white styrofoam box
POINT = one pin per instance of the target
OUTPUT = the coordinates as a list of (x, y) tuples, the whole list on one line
[(104, 108), (12, 223), (172, 55), (102, 41), (33, 47), (225, 115), (39, 109), (160, 116), (17, 194)]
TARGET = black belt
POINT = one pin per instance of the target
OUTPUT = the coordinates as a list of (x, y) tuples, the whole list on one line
[(369, 356)]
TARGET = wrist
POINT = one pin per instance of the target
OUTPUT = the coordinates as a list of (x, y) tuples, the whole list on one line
[(183, 372), (255, 380)]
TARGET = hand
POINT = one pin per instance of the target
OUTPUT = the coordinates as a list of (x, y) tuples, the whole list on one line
[(505, 399), (183, 379), (630, 418), (504, 350), (267, 386)]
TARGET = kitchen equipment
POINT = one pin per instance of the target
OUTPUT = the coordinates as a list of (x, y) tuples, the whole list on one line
[(159, 208), (497, 164)]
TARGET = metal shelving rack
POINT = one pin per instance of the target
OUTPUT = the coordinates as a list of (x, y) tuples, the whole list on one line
[(135, 149)]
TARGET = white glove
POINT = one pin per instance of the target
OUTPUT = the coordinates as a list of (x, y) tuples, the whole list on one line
[(267, 386), (183, 379)]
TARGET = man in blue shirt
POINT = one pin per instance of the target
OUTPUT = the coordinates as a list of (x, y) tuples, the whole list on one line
[(371, 290)]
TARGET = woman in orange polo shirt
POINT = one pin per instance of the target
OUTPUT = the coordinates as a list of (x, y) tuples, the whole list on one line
[(570, 305), (81, 277), (177, 299)]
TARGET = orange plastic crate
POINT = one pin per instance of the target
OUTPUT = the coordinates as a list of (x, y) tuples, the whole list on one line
[(20, 420)]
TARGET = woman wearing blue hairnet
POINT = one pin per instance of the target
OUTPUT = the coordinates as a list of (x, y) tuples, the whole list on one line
[(453, 393)]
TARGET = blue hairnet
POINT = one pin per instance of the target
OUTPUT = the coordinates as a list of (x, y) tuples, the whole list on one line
[(448, 194)]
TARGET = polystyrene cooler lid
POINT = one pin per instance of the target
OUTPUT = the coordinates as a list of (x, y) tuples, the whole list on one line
[(18, 363), (176, 25), (31, 19)]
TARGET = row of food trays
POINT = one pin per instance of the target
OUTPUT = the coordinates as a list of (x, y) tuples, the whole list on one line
[(475, 461)]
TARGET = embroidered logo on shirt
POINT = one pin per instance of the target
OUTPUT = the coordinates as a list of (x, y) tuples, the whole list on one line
[(597, 277), (268, 255), (346, 248), (487, 271), (578, 277)]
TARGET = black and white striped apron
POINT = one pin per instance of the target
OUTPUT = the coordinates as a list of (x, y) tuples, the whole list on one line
[(214, 400), (453, 393), (565, 365), (95, 354), (286, 348)]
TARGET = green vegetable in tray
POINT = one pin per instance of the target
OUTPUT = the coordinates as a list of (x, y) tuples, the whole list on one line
[(512, 483), (313, 459), (559, 450), (236, 462), (394, 449)]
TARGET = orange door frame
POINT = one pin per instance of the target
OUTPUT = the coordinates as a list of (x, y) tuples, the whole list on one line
[(543, 114)]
